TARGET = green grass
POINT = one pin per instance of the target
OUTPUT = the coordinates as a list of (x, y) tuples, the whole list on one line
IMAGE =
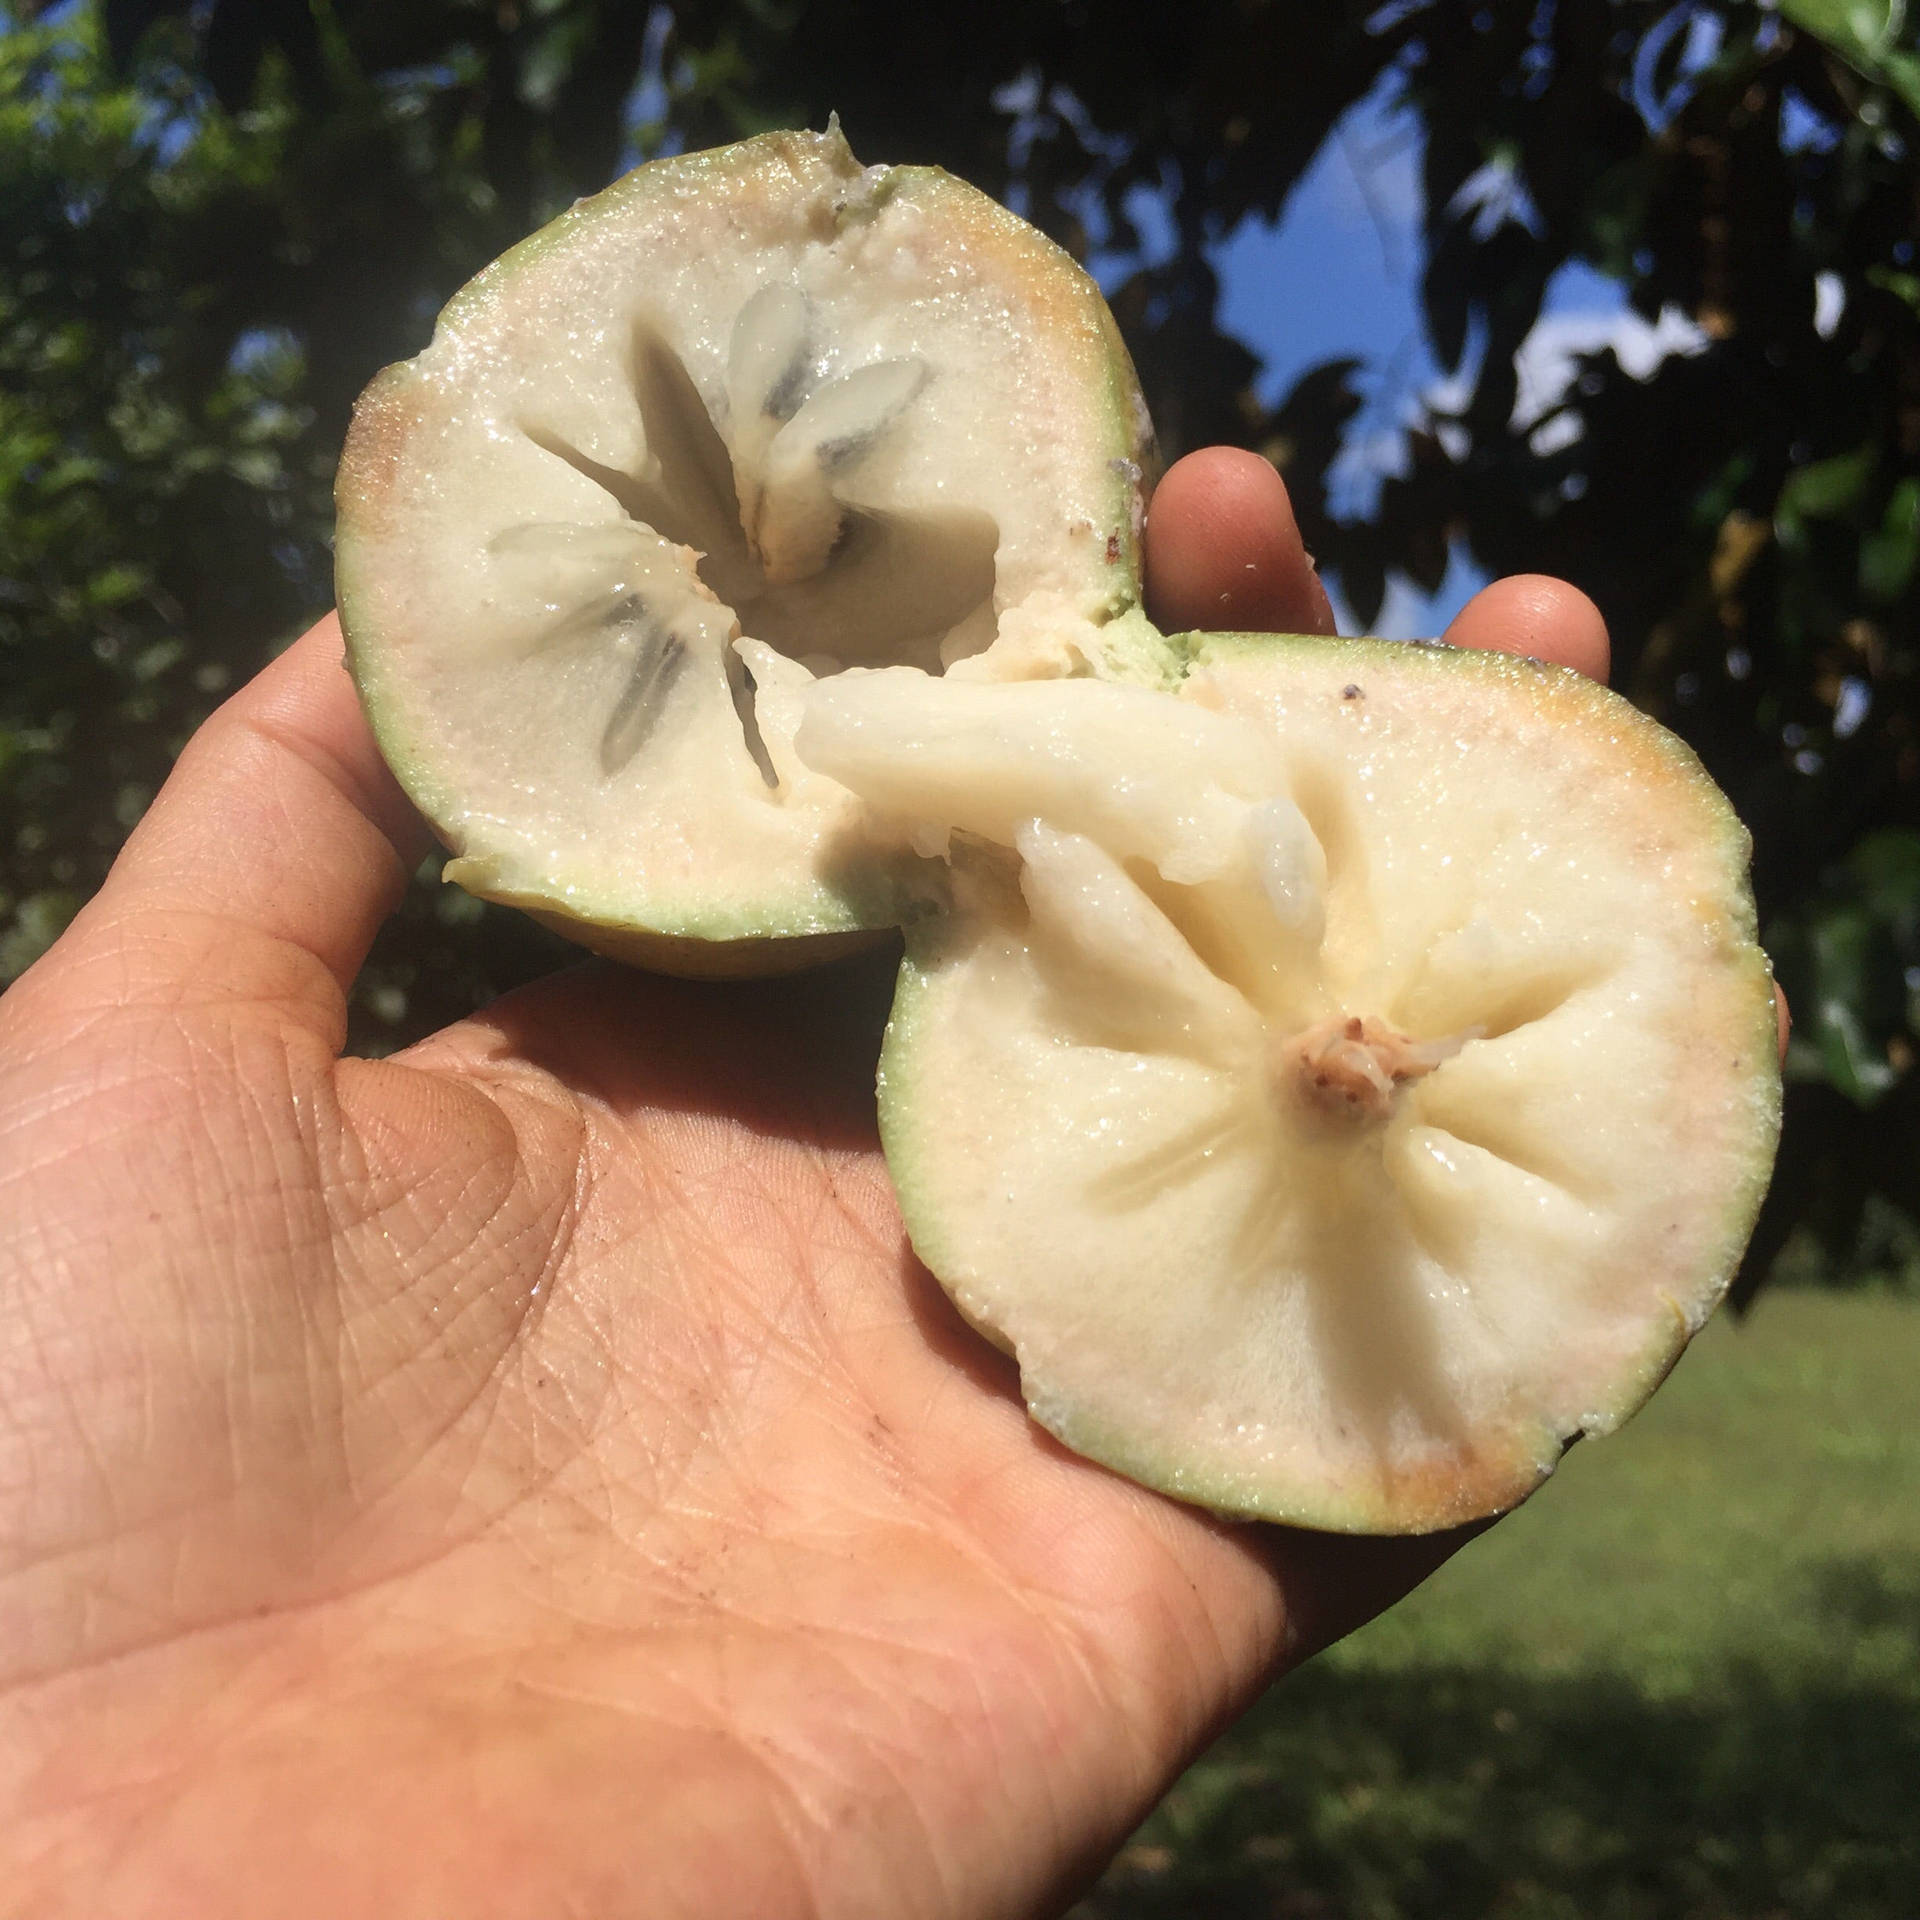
[(1683, 1681)]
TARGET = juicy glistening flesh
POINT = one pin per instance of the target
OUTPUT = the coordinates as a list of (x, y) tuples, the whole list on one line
[(1149, 833), (740, 522)]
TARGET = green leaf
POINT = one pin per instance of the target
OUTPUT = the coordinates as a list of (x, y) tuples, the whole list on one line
[(1831, 489), (1903, 286), (114, 585), (1843, 969), (1886, 868), (1887, 555), (38, 922), (151, 662), (1827, 489), (1721, 494), (1867, 35)]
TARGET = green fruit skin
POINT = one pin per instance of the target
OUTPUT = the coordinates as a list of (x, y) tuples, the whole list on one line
[(757, 957)]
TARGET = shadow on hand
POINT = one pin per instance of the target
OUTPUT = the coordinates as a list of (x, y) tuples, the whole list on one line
[(790, 1059)]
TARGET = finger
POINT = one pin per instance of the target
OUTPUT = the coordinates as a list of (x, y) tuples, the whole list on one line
[(1533, 614), (1224, 552), (269, 859)]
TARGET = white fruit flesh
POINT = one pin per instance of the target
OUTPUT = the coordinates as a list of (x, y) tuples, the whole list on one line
[(1340, 1084), (1361, 1090), (741, 420)]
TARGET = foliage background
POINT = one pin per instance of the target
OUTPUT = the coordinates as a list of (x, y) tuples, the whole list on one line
[(219, 217)]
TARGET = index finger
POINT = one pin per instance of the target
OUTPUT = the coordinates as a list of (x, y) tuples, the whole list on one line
[(1224, 552)]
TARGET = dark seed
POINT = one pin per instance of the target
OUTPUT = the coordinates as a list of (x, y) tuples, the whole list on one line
[(850, 447), (657, 660), (885, 390), (743, 687), (778, 319), (785, 395)]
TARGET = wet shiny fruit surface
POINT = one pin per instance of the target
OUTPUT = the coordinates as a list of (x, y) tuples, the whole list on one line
[(1341, 1073)]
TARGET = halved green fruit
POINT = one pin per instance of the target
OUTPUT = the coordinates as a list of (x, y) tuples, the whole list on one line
[(1341, 1086), (743, 419), (1342, 1073)]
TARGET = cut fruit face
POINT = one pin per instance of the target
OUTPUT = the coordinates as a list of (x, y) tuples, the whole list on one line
[(1340, 1086), (744, 419), (1341, 1073)]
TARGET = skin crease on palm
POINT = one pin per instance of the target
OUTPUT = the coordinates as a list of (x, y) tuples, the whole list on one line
[(531, 1475)]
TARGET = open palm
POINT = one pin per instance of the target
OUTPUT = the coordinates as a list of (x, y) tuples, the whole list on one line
[(532, 1475)]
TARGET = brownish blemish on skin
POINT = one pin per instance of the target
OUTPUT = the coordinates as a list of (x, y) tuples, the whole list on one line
[(1113, 549), (372, 472), (1449, 1488), (1352, 692)]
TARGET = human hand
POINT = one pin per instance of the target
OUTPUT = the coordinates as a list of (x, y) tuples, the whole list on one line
[(532, 1474)]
